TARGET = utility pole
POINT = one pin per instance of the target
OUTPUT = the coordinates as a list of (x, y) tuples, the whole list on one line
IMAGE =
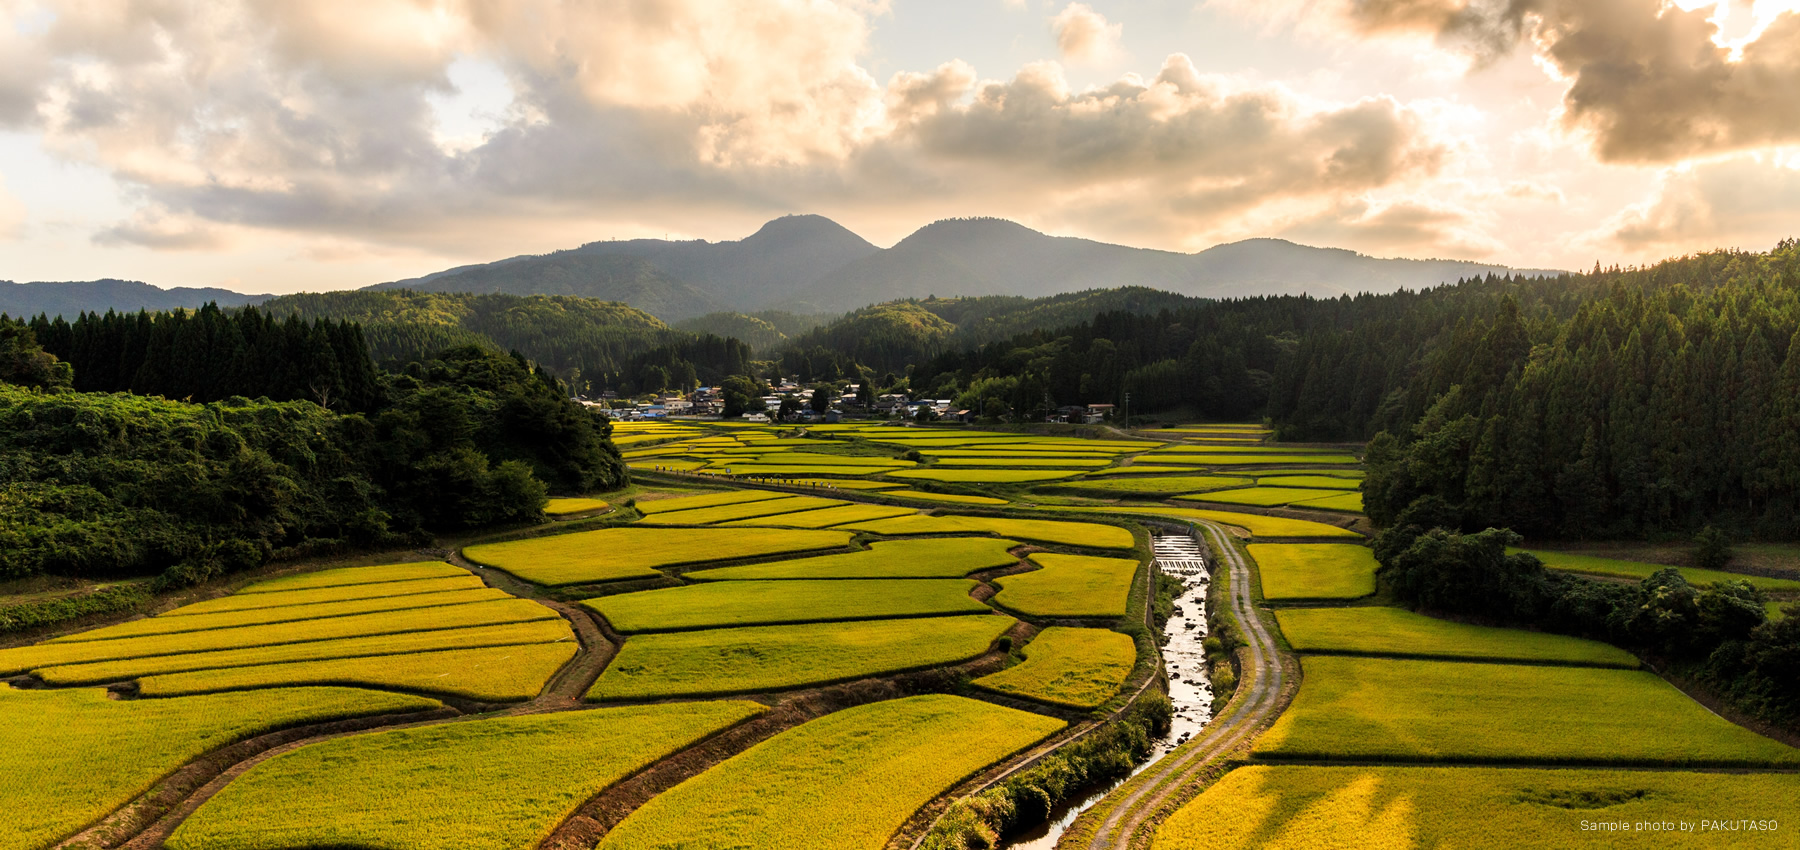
[(1127, 408)]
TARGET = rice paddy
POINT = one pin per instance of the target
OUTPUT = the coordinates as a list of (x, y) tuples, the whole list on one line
[(1335, 481), (651, 507), (1297, 571), (1305, 808), (613, 554), (1575, 563), (179, 621), (1404, 710), (750, 603), (827, 517), (846, 781), (1397, 632), (1348, 502), (1092, 535), (357, 575), (983, 476), (243, 601), (746, 510), (944, 498), (1265, 497), (1242, 459), (487, 674), (517, 778), (1069, 586), (1162, 486), (773, 658), (1077, 668), (1023, 460), (952, 557), (1257, 524), (72, 756), (570, 507)]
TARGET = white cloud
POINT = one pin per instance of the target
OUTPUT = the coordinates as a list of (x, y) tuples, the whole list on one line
[(1747, 201), (12, 214), (1084, 35)]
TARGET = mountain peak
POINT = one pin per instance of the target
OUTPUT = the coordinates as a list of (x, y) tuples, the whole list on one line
[(803, 226)]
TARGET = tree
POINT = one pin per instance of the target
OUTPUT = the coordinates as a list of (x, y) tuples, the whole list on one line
[(24, 362), (789, 409), (1712, 549), (822, 397)]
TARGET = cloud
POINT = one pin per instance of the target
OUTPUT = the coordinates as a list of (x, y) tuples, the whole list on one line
[(1649, 81), (1744, 202), (1084, 36), (311, 120), (1414, 226), (12, 214)]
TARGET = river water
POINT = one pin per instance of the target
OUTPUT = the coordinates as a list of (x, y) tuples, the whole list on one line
[(1189, 686)]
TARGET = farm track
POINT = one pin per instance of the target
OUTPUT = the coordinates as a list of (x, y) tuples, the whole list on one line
[(1163, 781)]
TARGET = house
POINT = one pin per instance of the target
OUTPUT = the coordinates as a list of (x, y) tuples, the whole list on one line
[(756, 417)]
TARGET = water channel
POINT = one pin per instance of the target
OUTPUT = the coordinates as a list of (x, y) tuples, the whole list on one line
[(1190, 689)]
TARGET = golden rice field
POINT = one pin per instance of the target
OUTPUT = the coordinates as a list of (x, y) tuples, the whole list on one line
[(846, 781), (1264, 497), (1323, 808), (1257, 524), (570, 507), (357, 575), (651, 507), (726, 513), (74, 755), (179, 621), (516, 779), (1348, 502), (751, 603), (939, 557), (1077, 668), (773, 658), (1072, 586), (983, 476), (245, 600), (1382, 709), (1162, 486), (944, 498), (1092, 535), (488, 674), (826, 517), (1297, 571), (613, 554)]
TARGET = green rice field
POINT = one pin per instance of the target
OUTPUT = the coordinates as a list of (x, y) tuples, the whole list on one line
[(1571, 562), (945, 498), (773, 658), (1077, 668), (1303, 808), (1405, 710), (487, 674), (569, 507), (186, 621), (1143, 469), (1335, 481), (1162, 486), (1397, 632), (943, 557), (612, 554), (1092, 535), (517, 779), (1024, 460), (1349, 502), (243, 601), (751, 603), (72, 756), (1243, 459), (846, 781), (1297, 571), (768, 470), (1074, 586), (651, 507), (1257, 524)]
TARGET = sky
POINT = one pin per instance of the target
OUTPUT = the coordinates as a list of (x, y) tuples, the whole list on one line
[(278, 146)]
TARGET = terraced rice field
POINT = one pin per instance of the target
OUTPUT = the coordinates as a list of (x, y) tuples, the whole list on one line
[(726, 513), (346, 576), (826, 517), (748, 603), (1335, 481), (1163, 486), (1571, 562), (1023, 460), (762, 470), (1257, 524), (614, 554), (1265, 497), (1301, 808), (517, 778), (1402, 710), (1077, 668), (488, 674), (952, 557), (1244, 459), (570, 507), (652, 507), (1143, 469), (1298, 571), (1348, 502), (194, 622), (248, 599), (1370, 630), (26, 658), (846, 781), (983, 476), (944, 498), (1092, 535), (72, 756), (774, 658), (1071, 586)]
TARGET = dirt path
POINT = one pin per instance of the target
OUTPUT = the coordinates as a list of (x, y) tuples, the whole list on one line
[(1250, 708)]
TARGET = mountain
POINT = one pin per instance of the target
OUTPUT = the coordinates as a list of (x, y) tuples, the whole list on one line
[(672, 280), (809, 264), (71, 298), (999, 257)]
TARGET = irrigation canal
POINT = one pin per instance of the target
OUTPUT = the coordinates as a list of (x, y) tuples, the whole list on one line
[(1190, 690)]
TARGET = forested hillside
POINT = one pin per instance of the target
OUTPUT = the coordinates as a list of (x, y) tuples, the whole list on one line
[(123, 483)]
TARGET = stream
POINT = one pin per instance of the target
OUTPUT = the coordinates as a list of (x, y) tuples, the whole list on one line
[(1189, 688)]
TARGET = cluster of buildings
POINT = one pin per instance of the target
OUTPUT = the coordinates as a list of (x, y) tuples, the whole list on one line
[(710, 402)]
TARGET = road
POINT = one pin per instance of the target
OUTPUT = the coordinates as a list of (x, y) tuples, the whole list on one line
[(1249, 709)]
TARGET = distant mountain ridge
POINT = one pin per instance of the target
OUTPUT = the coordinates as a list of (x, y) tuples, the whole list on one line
[(810, 264), (70, 298)]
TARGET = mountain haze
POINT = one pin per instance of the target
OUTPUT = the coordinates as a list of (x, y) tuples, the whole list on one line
[(70, 298)]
